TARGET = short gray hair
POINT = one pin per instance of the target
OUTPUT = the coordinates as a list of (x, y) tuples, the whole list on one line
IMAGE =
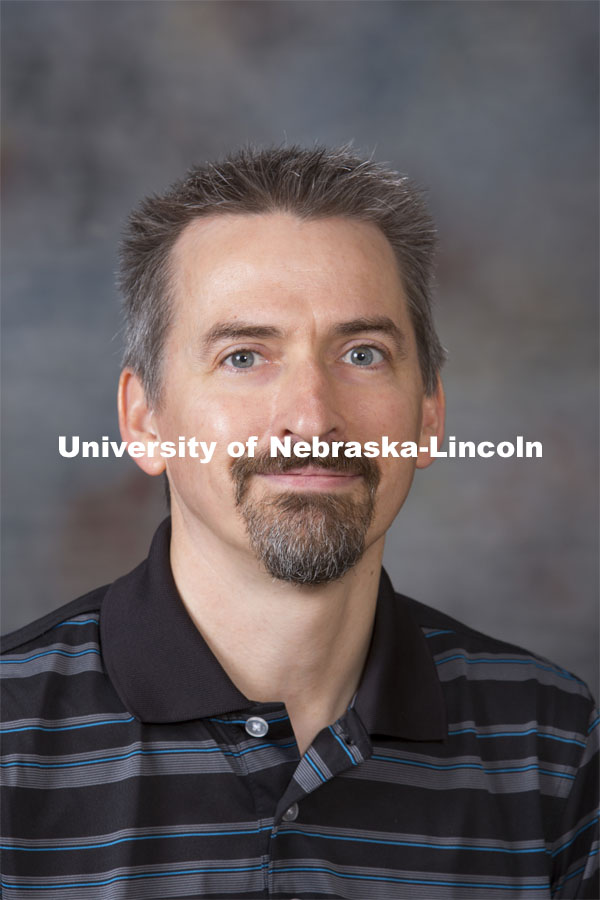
[(310, 183)]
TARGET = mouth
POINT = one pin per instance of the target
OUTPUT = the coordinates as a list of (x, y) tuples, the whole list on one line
[(312, 478)]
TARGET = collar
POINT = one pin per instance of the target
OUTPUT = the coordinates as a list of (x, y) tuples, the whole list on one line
[(164, 671)]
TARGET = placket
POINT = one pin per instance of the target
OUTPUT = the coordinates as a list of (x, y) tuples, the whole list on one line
[(261, 748), (335, 749)]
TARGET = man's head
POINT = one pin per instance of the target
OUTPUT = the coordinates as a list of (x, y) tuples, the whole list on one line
[(269, 314), (308, 183)]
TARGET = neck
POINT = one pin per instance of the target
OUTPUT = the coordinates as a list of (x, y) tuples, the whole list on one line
[(301, 645)]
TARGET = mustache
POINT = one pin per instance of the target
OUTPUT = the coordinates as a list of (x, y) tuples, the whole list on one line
[(264, 464)]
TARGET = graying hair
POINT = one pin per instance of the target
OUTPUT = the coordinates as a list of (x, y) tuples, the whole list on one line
[(310, 183), (306, 538)]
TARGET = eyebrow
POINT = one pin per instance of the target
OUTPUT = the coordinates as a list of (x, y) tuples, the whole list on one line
[(382, 324), (234, 331)]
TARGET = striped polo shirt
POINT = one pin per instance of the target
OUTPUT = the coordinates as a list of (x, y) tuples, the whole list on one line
[(133, 767)]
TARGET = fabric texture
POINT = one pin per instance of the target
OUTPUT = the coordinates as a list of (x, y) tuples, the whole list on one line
[(465, 767)]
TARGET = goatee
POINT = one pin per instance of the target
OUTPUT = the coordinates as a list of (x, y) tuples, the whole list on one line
[(306, 537)]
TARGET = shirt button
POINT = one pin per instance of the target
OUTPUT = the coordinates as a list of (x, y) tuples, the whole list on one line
[(291, 813), (256, 726)]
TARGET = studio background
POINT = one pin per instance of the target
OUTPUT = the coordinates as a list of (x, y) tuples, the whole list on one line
[(492, 106)]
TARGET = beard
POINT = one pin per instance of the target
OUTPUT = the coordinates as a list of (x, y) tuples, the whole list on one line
[(304, 537)]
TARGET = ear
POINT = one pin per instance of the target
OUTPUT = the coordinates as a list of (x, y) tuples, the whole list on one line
[(136, 421), (432, 423)]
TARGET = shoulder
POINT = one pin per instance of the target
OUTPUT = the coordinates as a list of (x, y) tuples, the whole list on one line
[(55, 663), (498, 675), (447, 633), (69, 614)]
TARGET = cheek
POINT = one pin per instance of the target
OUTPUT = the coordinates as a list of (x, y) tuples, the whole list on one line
[(231, 422), (396, 479), (204, 487), (395, 417), (209, 421), (209, 418)]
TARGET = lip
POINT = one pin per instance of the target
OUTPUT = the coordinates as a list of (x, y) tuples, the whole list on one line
[(312, 478)]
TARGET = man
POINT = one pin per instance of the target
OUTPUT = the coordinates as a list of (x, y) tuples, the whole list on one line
[(253, 712)]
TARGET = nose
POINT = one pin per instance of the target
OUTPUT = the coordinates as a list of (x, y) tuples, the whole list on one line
[(308, 405)]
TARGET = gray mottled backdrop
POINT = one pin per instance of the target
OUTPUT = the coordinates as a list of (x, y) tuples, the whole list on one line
[(492, 106)]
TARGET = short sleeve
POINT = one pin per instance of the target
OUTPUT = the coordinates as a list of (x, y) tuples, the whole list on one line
[(575, 852)]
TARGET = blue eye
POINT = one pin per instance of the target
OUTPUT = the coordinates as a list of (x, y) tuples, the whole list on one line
[(364, 356), (243, 359)]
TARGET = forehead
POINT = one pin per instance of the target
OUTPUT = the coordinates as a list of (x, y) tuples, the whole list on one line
[(276, 264)]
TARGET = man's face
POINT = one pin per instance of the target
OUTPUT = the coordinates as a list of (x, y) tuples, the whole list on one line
[(284, 327)]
